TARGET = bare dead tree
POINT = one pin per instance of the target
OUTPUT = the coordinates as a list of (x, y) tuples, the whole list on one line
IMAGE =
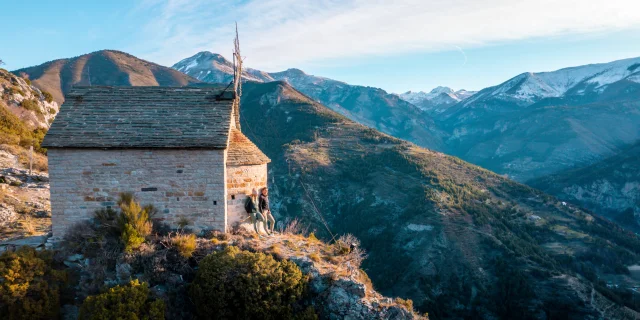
[(237, 65), (1, 62)]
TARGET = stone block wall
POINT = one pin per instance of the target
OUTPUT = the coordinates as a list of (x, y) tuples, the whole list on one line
[(179, 183), (240, 181)]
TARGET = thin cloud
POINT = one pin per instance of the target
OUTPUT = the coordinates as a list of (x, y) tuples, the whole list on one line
[(281, 33), (463, 54)]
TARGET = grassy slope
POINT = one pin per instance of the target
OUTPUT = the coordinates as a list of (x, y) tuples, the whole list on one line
[(456, 238), (105, 67)]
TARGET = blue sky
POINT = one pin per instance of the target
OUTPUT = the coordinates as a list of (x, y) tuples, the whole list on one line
[(394, 45)]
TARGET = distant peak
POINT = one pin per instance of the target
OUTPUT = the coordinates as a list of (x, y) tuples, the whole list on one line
[(295, 71), (442, 89), (211, 56)]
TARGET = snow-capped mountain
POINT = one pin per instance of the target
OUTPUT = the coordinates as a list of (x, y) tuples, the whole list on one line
[(373, 107), (212, 67), (437, 100), (536, 124), (592, 79), (528, 126)]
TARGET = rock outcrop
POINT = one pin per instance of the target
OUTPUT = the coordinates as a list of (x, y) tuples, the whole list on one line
[(25, 210), (35, 108)]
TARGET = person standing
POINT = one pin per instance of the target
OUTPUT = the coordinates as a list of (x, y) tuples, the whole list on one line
[(263, 204), (254, 212)]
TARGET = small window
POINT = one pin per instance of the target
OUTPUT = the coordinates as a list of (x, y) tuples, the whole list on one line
[(215, 203), (233, 197)]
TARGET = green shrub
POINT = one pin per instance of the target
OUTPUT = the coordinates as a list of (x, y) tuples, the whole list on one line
[(106, 220), (185, 244), (134, 222), (47, 96), (31, 105), (235, 284), (29, 286), (13, 90), (123, 302)]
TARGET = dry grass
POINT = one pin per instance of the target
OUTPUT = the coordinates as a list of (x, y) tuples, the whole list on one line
[(40, 162), (295, 227), (364, 278), (28, 225), (315, 257), (407, 303), (276, 251), (185, 244)]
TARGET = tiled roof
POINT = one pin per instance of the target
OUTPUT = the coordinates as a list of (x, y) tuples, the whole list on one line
[(243, 152), (142, 117)]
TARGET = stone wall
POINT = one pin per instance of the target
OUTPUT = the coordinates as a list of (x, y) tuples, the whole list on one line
[(240, 181), (179, 183)]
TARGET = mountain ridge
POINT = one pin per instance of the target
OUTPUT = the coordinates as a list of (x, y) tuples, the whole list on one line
[(530, 126), (371, 106), (436, 100), (491, 118), (110, 67)]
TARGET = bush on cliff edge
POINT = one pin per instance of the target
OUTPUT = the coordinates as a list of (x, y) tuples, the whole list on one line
[(236, 284)]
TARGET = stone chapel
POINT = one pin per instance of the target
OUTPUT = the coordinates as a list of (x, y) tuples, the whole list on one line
[(178, 149)]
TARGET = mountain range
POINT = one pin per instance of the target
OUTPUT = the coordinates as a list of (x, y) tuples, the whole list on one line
[(436, 100), (459, 240), (529, 127), (537, 124), (373, 107)]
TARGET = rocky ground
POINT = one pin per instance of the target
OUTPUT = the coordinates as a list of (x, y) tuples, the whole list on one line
[(25, 212), (340, 289), (345, 291)]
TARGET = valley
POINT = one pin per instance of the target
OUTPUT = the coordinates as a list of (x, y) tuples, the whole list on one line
[(440, 220), (529, 127)]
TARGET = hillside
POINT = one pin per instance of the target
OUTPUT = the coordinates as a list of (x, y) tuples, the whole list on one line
[(536, 124), (32, 107), (610, 186), (25, 115), (457, 239), (105, 67), (373, 107)]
